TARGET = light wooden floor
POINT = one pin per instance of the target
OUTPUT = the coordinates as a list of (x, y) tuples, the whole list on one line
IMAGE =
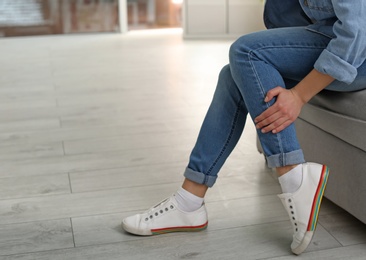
[(94, 128)]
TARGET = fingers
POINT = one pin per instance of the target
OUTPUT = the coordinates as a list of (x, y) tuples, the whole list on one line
[(281, 114), (268, 120), (271, 123), (270, 95), (277, 120), (273, 93), (277, 126), (265, 115), (281, 127)]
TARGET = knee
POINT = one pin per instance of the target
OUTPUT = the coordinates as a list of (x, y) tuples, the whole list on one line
[(225, 72), (233, 51), (242, 48)]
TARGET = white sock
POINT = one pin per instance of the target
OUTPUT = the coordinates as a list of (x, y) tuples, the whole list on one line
[(187, 201), (291, 181)]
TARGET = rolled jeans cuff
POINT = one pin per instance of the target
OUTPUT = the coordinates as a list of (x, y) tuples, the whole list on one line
[(199, 177), (280, 160)]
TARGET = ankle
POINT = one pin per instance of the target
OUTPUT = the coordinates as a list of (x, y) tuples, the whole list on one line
[(187, 201), (291, 181), (285, 169), (195, 188)]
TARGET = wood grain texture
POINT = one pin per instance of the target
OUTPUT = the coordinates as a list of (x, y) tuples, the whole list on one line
[(35, 236)]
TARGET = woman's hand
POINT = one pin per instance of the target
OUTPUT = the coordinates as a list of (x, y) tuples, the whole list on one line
[(282, 113), (289, 102)]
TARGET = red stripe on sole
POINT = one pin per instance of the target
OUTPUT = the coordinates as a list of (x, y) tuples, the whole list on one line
[(317, 199), (179, 229)]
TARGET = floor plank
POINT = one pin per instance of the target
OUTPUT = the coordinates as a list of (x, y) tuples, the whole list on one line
[(35, 236), (31, 186), (345, 228), (118, 143), (94, 161), (32, 150), (33, 124)]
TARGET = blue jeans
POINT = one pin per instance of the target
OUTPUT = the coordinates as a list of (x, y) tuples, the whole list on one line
[(258, 62)]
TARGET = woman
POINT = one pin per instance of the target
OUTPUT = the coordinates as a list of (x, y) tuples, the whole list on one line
[(311, 45)]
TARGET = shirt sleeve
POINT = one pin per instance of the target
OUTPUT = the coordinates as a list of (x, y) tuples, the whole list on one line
[(347, 51)]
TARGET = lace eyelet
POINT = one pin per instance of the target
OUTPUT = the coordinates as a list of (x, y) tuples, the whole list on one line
[(161, 211), (156, 214), (171, 206), (146, 219), (151, 216)]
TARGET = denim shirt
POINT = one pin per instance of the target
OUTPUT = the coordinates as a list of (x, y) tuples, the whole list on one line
[(344, 21)]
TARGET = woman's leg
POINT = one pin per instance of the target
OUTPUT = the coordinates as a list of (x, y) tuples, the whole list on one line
[(258, 63), (221, 129), (266, 58), (220, 132)]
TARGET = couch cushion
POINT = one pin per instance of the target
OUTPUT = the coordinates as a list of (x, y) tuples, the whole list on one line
[(352, 104), (346, 128)]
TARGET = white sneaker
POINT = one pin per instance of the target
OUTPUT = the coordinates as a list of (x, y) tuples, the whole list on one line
[(166, 217), (303, 205)]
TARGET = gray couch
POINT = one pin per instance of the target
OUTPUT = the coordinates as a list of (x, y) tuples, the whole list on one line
[(332, 130)]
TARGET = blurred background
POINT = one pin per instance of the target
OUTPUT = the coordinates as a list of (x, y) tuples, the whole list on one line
[(43, 17)]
